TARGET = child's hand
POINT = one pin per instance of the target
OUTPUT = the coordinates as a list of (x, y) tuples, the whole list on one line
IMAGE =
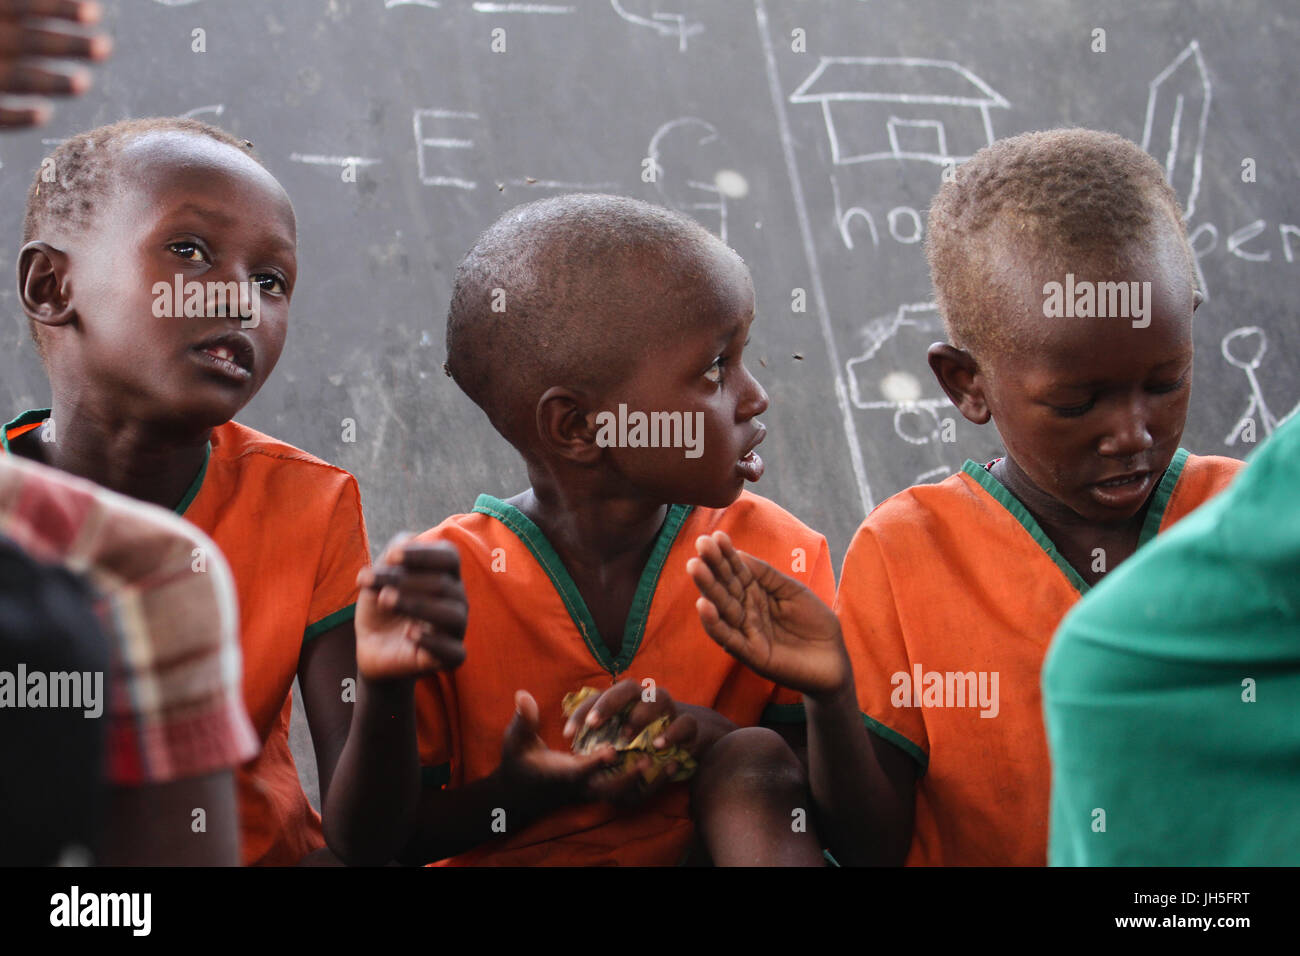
[(556, 778), (767, 620), (32, 32), (412, 612), (682, 731)]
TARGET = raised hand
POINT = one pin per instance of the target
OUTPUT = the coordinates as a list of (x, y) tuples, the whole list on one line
[(767, 620), (34, 32), (412, 612)]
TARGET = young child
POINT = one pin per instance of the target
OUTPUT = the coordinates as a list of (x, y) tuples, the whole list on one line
[(143, 396), (567, 314), (1170, 690), (950, 593)]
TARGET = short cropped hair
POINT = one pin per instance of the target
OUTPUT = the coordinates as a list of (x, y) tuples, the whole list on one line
[(567, 291), (1074, 191)]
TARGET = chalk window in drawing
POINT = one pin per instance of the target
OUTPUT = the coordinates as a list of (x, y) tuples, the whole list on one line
[(877, 108), (917, 136)]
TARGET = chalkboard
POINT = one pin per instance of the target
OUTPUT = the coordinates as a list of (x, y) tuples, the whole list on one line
[(811, 134)]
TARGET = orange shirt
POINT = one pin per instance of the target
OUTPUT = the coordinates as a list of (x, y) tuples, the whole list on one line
[(948, 598), (529, 629), (291, 528)]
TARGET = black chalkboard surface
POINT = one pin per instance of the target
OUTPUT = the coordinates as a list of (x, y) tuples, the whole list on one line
[(810, 134)]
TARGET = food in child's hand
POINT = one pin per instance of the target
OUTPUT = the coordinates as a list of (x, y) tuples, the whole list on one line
[(587, 739)]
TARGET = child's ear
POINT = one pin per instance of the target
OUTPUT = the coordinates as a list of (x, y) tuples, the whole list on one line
[(956, 371), (565, 427), (43, 284)]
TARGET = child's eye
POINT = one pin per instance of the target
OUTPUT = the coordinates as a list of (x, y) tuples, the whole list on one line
[(270, 282), (1165, 389), (1073, 411), (188, 250), (714, 373)]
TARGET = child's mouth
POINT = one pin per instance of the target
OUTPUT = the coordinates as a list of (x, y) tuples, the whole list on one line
[(750, 466), (226, 356), (1124, 491)]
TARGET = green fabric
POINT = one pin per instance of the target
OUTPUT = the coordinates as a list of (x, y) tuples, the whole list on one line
[(1145, 689), (26, 418), (784, 714), (341, 616), (1160, 497), (40, 414), (638, 614), (898, 740), (435, 778)]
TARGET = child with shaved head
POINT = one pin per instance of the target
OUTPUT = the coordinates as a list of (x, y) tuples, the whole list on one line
[(1064, 276), (603, 338)]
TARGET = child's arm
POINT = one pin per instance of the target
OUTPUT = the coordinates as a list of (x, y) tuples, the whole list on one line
[(531, 781), (863, 787), (410, 620)]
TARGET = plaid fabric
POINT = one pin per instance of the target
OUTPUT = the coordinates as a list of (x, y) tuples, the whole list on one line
[(167, 601)]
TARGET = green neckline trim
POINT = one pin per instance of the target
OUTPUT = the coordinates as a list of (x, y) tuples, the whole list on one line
[(1150, 525), (637, 615), (26, 418), (1160, 497), (40, 414), (196, 484), (1007, 500), (330, 621), (898, 740)]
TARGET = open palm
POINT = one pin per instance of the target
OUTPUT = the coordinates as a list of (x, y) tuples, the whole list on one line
[(767, 620)]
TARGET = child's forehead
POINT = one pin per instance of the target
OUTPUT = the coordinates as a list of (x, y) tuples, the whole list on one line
[(169, 162)]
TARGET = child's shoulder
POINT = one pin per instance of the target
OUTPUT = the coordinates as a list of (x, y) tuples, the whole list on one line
[(233, 442), (915, 506)]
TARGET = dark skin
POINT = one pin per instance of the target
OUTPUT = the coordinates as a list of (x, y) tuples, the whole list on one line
[(601, 508), (35, 35), (134, 407), (1089, 399), (1085, 400)]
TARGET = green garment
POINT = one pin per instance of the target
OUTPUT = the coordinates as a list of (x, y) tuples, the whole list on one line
[(1171, 692)]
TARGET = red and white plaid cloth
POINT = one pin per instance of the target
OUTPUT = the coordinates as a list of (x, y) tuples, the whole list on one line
[(166, 601)]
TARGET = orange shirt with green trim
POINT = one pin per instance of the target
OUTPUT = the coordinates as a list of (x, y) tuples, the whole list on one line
[(949, 596), (291, 528), (529, 629)]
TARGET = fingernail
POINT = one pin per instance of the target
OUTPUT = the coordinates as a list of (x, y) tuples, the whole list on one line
[(593, 718)]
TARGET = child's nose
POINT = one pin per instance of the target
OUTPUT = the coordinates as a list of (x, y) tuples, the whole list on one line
[(1129, 432), (754, 402)]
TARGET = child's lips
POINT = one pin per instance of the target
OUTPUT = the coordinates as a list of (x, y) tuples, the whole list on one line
[(750, 464), (230, 355), (1123, 491), (221, 360)]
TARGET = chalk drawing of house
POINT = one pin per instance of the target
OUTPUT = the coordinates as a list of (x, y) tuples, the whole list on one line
[(900, 108)]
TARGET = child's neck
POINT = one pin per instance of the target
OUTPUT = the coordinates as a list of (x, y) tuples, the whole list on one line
[(1076, 538), (131, 457), (604, 543)]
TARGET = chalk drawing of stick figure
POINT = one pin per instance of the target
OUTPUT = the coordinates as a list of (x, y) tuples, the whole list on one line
[(1246, 424)]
